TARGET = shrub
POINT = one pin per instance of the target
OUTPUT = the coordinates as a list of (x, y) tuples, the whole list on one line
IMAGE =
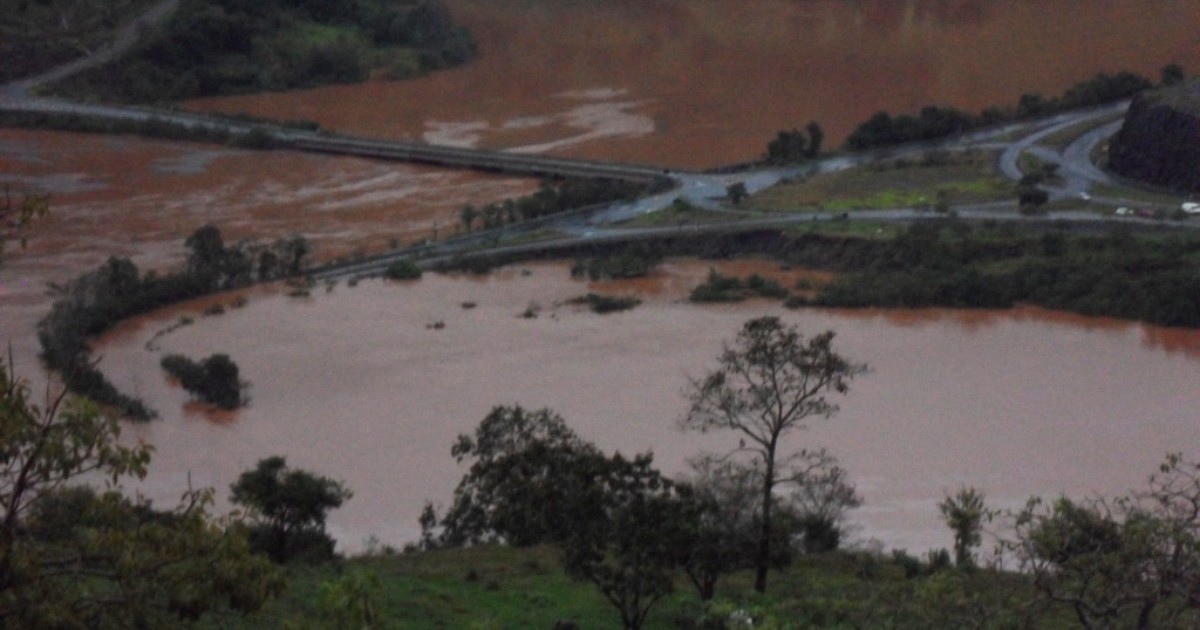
[(403, 270)]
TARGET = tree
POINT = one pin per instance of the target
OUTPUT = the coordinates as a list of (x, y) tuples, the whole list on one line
[(630, 535), (815, 137), (965, 514), (821, 495), (290, 507), (525, 467), (71, 557), (726, 496), (1171, 74), (214, 380), (1132, 562), (19, 215), (769, 383), (736, 192), (292, 251)]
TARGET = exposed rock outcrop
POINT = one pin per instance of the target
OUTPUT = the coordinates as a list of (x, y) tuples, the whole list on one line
[(1159, 143)]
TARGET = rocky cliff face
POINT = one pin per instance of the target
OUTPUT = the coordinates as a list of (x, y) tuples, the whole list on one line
[(1159, 143)]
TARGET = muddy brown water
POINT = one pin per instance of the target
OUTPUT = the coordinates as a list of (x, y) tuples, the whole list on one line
[(690, 83), (355, 384)]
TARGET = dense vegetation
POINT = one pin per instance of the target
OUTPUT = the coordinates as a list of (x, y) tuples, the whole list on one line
[(38, 35), (932, 122), (214, 380), (212, 47), (96, 301), (553, 196)]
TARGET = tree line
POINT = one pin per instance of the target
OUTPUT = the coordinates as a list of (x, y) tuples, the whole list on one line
[(553, 196), (96, 301), (933, 122)]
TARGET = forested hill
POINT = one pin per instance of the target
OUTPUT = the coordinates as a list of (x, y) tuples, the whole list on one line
[(214, 47)]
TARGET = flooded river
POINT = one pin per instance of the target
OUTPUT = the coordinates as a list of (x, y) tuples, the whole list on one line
[(355, 384), (700, 83)]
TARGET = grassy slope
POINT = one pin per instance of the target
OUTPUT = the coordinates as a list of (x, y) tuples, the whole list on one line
[(499, 587)]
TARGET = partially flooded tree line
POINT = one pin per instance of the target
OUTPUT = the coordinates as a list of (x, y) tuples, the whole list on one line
[(94, 302)]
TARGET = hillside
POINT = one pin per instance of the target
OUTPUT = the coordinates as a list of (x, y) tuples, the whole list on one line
[(1159, 142), (214, 47)]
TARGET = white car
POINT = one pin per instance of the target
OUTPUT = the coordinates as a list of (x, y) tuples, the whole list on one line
[(1123, 212), (1191, 207)]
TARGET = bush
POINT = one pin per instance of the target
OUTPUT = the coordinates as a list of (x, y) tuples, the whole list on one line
[(213, 380), (403, 270), (604, 304)]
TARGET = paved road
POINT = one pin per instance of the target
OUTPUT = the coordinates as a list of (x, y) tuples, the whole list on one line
[(701, 190)]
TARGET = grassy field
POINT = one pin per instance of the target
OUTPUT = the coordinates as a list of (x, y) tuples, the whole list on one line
[(495, 588), (946, 178)]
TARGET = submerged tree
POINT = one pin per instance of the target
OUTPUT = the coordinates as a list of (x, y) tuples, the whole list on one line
[(768, 384)]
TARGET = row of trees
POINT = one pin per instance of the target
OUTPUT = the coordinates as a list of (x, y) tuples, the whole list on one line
[(626, 527), (94, 302), (552, 197), (932, 122)]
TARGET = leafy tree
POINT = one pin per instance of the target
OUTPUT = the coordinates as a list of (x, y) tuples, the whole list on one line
[(290, 507), (965, 514), (466, 216), (20, 215), (815, 137), (788, 147), (1133, 562), (214, 380), (768, 384), (525, 466), (73, 558), (630, 535), (727, 526), (736, 192), (291, 252), (1171, 74), (821, 495)]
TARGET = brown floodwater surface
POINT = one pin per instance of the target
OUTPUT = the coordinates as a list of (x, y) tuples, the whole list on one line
[(354, 384), (697, 83)]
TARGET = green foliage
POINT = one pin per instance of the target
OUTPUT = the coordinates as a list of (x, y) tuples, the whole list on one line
[(603, 304), (353, 598), (70, 557), (525, 467), (719, 288), (403, 270), (793, 146), (1133, 561), (553, 196), (736, 192), (214, 380), (932, 122), (635, 533), (37, 35), (769, 383), (211, 47), (965, 514), (18, 216), (289, 507), (635, 261), (96, 301)]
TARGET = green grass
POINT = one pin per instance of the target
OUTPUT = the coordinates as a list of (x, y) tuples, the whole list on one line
[(955, 178), (494, 587)]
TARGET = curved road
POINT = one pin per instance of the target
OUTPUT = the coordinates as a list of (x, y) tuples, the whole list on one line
[(706, 191)]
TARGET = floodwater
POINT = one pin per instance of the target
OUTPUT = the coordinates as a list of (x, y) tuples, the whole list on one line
[(700, 83), (354, 383), (124, 196)]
